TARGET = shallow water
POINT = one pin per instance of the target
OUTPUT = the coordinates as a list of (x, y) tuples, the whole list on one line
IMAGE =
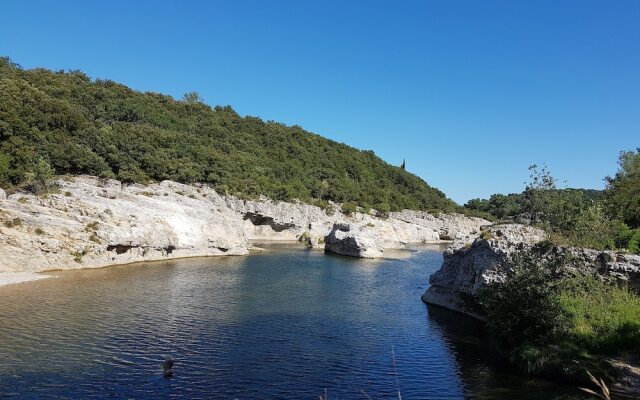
[(287, 323)]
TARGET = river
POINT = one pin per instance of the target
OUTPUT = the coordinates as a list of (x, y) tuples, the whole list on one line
[(287, 323)]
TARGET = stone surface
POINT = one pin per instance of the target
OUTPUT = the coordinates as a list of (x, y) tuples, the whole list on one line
[(467, 267), (10, 278), (353, 241), (92, 222)]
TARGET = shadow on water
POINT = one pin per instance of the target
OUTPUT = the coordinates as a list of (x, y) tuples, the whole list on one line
[(483, 375)]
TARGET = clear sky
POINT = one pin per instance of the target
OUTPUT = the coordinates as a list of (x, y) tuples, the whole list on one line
[(469, 92)]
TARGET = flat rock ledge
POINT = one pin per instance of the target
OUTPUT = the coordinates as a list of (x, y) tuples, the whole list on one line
[(469, 266)]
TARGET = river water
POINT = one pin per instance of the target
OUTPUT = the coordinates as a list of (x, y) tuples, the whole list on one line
[(287, 323)]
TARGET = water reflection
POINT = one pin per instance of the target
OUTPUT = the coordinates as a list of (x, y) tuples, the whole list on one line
[(483, 376), (286, 323)]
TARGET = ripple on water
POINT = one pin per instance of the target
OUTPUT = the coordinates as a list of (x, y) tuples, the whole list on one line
[(286, 324)]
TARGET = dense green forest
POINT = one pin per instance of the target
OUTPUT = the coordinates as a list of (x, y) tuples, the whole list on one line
[(66, 123)]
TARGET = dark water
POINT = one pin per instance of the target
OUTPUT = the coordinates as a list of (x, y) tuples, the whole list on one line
[(285, 324)]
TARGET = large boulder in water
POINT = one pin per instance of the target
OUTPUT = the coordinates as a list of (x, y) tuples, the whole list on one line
[(353, 241)]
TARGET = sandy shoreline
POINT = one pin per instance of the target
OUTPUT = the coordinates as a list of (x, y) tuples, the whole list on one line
[(10, 278)]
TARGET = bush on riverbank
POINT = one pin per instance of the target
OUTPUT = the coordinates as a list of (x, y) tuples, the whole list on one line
[(547, 323)]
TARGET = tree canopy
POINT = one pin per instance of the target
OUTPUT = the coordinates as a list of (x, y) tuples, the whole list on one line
[(77, 125)]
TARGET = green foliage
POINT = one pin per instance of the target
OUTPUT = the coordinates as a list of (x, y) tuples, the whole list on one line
[(498, 205), (78, 255), (540, 201), (306, 239), (542, 319), (623, 190), (42, 174), (102, 128), (192, 98), (349, 208), (525, 309), (572, 217), (604, 318)]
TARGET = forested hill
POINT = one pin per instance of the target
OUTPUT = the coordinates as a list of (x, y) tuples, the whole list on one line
[(82, 126)]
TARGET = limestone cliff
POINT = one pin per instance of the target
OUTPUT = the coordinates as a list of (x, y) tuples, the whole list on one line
[(92, 222)]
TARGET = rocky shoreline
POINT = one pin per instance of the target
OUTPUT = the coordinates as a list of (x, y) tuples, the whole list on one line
[(470, 265), (91, 222)]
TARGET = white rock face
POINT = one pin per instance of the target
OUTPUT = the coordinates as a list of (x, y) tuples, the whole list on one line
[(360, 242), (269, 220), (92, 222), (468, 267)]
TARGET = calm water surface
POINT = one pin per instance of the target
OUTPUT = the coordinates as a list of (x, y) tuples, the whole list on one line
[(285, 324)]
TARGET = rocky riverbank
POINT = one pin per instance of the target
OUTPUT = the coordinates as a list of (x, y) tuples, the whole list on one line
[(470, 265), (90, 222)]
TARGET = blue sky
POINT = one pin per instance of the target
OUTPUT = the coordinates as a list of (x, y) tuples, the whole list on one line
[(469, 92)]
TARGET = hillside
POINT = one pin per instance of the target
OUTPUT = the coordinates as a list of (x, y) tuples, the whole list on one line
[(77, 125)]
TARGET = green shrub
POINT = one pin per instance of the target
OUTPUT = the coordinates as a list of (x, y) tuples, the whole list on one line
[(543, 319), (306, 239), (78, 255), (525, 310), (349, 208), (633, 245), (39, 231)]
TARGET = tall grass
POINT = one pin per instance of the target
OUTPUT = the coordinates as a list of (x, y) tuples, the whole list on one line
[(604, 318)]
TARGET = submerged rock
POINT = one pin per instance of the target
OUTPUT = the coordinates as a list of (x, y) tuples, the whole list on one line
[(347, 241)]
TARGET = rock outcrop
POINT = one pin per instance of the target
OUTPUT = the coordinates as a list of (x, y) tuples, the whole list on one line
[(360, 242), (265, 219), (468, 267), (92, 222)]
